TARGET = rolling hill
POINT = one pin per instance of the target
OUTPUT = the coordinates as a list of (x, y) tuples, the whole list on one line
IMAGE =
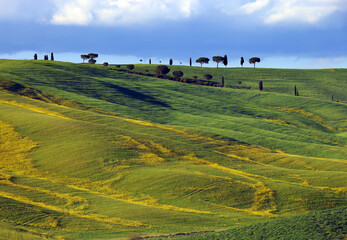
[(88, 152)]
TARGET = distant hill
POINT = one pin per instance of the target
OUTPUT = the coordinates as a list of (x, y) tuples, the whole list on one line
[(88, 152)]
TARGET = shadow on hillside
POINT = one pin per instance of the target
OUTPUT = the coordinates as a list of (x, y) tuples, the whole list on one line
[(136, 95)]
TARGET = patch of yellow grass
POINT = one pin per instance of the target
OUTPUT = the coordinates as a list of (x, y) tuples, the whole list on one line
[(34, 108), (95, 217), (264, 200), (310, 116), (70, 199), (274, 120)]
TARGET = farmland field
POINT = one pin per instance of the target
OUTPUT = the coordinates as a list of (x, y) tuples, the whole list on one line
[(88, 152)]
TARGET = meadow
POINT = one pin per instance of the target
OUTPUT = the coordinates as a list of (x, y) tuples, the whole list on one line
[(87, 152)]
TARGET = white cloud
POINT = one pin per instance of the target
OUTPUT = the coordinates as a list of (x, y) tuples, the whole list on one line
[(113, 12), (308, 11), (285, 11), (252, 7)]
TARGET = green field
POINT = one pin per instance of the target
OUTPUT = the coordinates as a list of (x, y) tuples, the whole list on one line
[(87, 152)]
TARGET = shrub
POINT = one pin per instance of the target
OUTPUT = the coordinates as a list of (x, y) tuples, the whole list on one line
[(208, 77), (105, 64), (161, 70), (177, 74), (195, 77), (130, 66), (117, 66)]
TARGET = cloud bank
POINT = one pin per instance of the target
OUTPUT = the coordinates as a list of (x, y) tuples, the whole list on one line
[(131, 12), (115, 12)]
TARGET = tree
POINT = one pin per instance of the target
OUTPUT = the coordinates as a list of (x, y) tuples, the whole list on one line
[(92, 56), (85, 57), (225, 60), (222, 81), (190, 62), (170, 62), (296, 92), (239, 83), (35, 56), (141, 60), (105, 64), (177, 74), (202, 60), (150, 61), (242, 61), (52, 57), (261, 85), (45, 57), (217, 59), (254, 60), (130, 66), (161, 70), (208, 77)]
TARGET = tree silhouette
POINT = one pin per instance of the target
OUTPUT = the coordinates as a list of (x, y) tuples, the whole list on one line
[(92, 56), (225, 60), (202, 60), (261, 85), (254, 60), (52, 57), (35, 56), (170, 62), (85, 57), (222, 81), (218, 59), (190, 62), (242, 61)]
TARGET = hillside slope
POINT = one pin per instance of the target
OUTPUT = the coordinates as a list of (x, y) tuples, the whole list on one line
[(103, 154)]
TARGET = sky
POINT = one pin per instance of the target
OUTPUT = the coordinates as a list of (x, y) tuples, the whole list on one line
[(282, 33)]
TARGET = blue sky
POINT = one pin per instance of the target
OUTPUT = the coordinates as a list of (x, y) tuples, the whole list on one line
[(283, 33)]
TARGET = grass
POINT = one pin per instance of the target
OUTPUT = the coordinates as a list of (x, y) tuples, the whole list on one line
[(89, 152), (328, 224)]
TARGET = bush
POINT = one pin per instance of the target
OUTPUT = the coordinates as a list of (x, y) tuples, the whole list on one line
[(130, 66), (208, 77), (177, 74), (117, 66), (105, 64), (161, 70)]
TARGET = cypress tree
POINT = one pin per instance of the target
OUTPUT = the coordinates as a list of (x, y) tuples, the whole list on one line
[(222, 81), (52, 57), (150, 61), (190, 62), (242, 61), (225, 60), (35, 56), (170, 62), (261, 85), (295, 91)]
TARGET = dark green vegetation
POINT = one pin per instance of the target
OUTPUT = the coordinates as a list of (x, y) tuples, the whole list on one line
[(321, 225), (91, 153)]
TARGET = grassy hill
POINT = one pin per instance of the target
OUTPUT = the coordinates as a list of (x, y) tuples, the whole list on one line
[(89, 152)]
